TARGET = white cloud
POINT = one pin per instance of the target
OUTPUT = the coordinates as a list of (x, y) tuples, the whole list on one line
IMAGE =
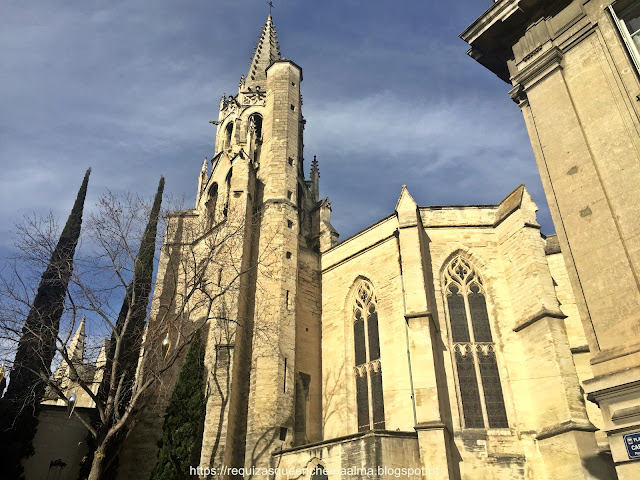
[(463, 151), (129, 91)]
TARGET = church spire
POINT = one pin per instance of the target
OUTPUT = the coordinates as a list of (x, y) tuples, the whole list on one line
[(76, 348), (75, 353), (266, 52)]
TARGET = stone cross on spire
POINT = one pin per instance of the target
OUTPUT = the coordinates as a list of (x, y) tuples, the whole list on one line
[(267, 51)]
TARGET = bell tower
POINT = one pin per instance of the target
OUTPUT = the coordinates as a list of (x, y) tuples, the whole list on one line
[(258, 168), (263, 354)]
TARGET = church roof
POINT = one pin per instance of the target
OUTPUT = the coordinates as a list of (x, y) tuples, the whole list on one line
[(266, 52), (438, 216)]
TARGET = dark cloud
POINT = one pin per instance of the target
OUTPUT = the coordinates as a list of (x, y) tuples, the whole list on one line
[(128, 88)]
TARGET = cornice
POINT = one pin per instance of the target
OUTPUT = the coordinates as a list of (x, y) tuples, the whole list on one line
[(613, 391), (284, 60), (498, 12), (547, 63)]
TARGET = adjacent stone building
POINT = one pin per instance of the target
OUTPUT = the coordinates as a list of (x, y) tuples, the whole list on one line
[(445, 341), (60, 442), (574, 68)]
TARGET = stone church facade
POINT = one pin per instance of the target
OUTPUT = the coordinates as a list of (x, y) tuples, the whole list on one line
[(442, 340)]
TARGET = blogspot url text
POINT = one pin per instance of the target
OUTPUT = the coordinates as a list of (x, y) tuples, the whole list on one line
[(398, 472)]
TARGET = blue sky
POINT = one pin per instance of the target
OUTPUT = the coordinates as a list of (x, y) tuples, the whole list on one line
[(128, 88)]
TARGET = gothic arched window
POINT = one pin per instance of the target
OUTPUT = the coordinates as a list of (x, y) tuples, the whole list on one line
[(255, 125), (473, 347), (212, 199), (368, 370), (319, 473), (228, 132), (225, 211)]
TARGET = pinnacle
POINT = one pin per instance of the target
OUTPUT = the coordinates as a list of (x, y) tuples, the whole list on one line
[(76, 348), (265, 53)]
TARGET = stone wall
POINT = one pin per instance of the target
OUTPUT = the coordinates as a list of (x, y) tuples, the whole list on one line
[(380, 455), (533, 348), (60, 444)]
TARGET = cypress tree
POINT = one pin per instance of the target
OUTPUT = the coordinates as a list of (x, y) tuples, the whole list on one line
[(136, 301), (20, 405), (134, 305), (184, 420)]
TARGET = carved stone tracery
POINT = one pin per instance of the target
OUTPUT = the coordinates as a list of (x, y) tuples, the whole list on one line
[(473, 348), (368, 368), (253, 98)]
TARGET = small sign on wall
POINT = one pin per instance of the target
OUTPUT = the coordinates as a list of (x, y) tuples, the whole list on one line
[(632, 442)]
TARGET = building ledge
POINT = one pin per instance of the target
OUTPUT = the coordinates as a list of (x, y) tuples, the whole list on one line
[(284, 60), (543, 313), (565, 427), (353, 436)]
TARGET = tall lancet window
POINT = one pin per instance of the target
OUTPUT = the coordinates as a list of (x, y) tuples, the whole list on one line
[(473, 347), (368, 370), (255, 126), (228, 132), (227, 182), (212, 199)]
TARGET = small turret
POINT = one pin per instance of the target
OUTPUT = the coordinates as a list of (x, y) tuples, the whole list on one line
[(202, 180), (315, 177), (328, 236)]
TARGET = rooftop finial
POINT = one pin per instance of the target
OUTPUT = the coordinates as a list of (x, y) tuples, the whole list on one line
[(270, 7)]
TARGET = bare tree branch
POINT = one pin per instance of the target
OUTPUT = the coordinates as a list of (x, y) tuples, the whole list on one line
[(201, 269)]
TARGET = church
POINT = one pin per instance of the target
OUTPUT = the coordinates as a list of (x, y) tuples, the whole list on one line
[(441, 341)]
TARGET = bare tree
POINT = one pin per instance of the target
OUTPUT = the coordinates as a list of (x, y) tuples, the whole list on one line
[(200, 270)]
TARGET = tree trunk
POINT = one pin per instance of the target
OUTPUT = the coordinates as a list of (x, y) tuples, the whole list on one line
[(98, 462)]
